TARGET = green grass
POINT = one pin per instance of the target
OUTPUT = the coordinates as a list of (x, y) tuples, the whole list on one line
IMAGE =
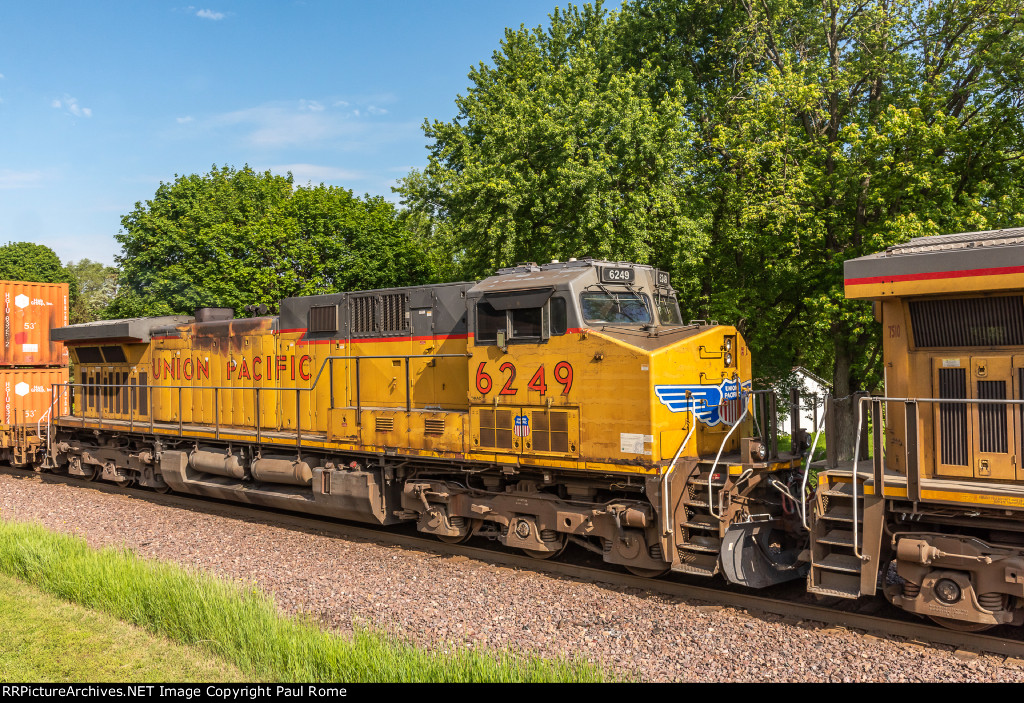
[(49, 640), (242, 625)]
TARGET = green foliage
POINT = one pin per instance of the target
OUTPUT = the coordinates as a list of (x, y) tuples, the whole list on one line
[(25, 261), (96, 285), (236, 237), (557, 151), (749, 148), (242, 625)]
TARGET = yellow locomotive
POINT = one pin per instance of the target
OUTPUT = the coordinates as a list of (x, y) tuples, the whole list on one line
[(546, 405), (935, 519)]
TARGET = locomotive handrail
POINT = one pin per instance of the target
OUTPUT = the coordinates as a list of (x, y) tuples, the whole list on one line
[(810, 458), (327, 363), (666, 528), (711, 471), (913, 468)]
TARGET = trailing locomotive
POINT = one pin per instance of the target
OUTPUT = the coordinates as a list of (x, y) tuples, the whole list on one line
[(936, 521), (543, 406)]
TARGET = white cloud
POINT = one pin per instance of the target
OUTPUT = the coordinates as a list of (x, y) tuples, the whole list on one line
[(210, 14), (71, 105), (311, 105), (313, 173), (184, 120), (2, 76), (10, 180), (374, 110)]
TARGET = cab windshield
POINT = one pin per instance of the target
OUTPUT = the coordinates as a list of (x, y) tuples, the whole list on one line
[(608, 308), (668, 310)]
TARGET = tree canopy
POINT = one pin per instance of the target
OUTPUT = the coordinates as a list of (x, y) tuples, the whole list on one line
[(237, 237), (25, 261), (750, 148), (96, 284)]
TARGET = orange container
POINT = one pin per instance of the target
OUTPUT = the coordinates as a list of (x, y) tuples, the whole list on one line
[(28, 394), (31, 310)]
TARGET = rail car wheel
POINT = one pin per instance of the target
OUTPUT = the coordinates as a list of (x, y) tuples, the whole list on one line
[(647, 573), (471, 529), (960, 625), (538, 554)]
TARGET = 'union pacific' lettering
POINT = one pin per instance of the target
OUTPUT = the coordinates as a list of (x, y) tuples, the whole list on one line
[(257, 368)]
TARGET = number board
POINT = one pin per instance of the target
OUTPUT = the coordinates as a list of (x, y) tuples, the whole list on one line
[(617, 275)]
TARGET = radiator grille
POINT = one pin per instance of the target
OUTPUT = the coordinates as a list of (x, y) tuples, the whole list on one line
[(953, 417), (968, 322), (496, 429), (385, 424), (364, 315), (550, 432), (434, 426), (323, 318), (393, 316), (992, 418)]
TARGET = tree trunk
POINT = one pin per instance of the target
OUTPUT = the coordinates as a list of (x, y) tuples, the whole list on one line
[(845, 408)]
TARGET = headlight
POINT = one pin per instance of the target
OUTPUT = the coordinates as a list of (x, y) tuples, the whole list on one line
[(728, 359), (728, 343)]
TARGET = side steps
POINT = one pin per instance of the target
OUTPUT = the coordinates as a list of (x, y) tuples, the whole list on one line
[(699, 543), (835, 569)]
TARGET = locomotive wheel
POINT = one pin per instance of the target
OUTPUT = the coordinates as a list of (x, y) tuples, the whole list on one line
[(537, 554), (94, 474), (124, 482), (960, 625), (647, 573), (163, 489), (474, 525)]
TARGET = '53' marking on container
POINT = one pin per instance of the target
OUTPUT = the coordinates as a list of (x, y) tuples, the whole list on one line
[(538, 382)]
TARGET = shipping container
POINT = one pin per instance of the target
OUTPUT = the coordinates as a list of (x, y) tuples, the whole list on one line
[(31, 310), (28, 394)]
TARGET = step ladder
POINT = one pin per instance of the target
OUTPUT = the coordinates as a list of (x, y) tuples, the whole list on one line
[(699, 540), (836, 570)]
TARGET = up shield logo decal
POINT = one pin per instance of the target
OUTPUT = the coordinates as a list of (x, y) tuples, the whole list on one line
[(711, 404)]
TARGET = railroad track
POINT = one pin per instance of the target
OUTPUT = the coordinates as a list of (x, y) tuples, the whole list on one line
[(782, 601)]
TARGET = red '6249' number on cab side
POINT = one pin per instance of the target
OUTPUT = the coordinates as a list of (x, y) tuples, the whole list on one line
[(538, 381)]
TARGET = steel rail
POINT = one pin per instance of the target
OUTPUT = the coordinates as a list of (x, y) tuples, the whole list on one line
[(754, 604)]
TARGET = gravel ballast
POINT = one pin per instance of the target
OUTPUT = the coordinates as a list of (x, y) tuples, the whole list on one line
[(442, 601)]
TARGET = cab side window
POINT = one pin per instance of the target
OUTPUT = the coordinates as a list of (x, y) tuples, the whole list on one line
[(526, 324)]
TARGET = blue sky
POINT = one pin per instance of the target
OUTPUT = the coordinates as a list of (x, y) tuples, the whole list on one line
[(101, 101)]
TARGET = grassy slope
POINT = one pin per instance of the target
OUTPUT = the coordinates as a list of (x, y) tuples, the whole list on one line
[(243, 626), (48, 640)]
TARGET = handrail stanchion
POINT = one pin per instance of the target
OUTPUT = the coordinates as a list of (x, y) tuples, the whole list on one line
[(913, 466), (877, 427), (216, 414), (298, 421)]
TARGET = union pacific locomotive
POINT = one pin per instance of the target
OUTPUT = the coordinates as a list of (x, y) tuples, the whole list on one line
[(569, 403), (546, 405)]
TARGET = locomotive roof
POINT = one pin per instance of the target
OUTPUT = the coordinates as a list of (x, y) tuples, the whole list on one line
[(134, 329), (951, 263), (557, 275)]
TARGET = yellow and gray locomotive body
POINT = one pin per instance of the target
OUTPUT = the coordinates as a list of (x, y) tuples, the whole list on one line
[(545, 405), (935, 519)]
